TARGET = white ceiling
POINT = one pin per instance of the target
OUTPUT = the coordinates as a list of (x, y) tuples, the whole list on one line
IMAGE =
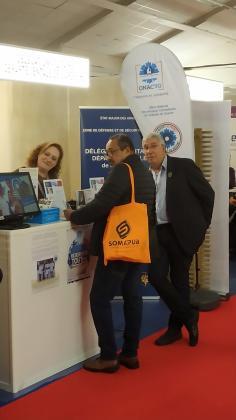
[(199, 32)]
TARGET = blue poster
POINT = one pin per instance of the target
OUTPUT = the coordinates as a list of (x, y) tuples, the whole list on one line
[(96, 126)]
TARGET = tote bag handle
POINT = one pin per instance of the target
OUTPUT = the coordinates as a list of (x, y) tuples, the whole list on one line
[(131, 181)]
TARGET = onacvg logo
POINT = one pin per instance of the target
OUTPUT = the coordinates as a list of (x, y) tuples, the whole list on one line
[(149, 77), (123, 229), (171, 134)]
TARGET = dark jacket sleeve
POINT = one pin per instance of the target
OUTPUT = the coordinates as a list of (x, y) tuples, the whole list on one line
[(232, 181), (115, 186), (232, 209), (201, 188)]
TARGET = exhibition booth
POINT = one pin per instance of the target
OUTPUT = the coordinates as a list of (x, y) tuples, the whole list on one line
[(45, 320)]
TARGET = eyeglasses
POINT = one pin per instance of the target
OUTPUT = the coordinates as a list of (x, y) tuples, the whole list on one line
[(111, 152), (147, 147)]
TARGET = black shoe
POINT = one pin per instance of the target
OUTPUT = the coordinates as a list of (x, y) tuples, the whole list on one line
[(100, 365), (169, 337), (192, 327), (129, 362)]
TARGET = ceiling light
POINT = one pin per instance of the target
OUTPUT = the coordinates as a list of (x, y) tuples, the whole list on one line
[(23, 64), (204, 89)]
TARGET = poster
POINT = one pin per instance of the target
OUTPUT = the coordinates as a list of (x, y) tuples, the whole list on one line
[(46, 269), (78, 267), (96, 126), (44, 259)]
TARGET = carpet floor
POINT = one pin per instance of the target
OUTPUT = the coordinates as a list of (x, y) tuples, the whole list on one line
[(175, 382)]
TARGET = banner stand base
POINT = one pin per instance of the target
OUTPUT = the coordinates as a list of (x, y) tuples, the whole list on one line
[(204, 299)]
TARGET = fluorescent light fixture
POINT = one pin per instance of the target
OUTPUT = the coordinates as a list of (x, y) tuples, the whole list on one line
[(26, 65), (204, 89)]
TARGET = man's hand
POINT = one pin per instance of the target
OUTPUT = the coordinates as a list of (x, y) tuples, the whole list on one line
[(232, 201), (67, 213)]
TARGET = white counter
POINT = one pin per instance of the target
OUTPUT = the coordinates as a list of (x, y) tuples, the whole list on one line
[(45, 326)]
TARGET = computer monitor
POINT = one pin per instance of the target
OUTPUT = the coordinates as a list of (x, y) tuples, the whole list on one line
[(17, 199)]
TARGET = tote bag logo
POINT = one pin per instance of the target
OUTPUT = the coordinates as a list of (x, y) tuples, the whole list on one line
[(172, 136), (149, 77), (123, 229)]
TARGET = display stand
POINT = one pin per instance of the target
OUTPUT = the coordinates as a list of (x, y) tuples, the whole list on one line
[(201, 298), (45, 322)]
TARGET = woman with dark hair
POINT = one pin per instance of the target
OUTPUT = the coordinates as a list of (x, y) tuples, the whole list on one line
[(47, 157)]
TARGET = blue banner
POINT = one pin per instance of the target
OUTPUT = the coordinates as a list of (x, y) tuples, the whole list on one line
[(97, 125)]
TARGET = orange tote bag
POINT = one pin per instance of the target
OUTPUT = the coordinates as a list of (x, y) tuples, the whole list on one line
[(126, 235)]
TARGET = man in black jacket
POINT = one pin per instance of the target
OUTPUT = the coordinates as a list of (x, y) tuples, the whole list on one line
[(116, 191), (184, 205)]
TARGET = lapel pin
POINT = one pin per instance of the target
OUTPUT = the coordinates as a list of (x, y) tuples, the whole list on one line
[(169, 174)]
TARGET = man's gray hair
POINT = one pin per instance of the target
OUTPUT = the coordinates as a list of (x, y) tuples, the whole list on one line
[(155, 136)]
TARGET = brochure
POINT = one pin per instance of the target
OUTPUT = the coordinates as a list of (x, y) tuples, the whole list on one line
[(84, 197), (96, 183), (54, 190)]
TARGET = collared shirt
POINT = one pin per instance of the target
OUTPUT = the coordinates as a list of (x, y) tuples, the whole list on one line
[(160, 181)]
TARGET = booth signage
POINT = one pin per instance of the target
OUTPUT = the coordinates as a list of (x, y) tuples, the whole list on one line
[(96, 126), (156, 89)]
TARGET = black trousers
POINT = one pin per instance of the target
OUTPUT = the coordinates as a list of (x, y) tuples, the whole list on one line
[(232, 234), (107, 281), (169, 275)]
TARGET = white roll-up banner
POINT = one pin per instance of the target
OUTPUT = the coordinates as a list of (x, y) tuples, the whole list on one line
[(154, 84)]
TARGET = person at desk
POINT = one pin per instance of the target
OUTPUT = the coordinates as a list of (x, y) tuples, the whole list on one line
[(47, 157), (184, 205)]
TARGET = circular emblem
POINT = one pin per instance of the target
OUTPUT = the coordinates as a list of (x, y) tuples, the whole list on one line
[(171, 134)]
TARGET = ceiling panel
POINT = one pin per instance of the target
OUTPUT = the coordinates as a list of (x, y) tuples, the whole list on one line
[(180, 11), (223, 23), (48, 3), (36, 25), (199, 32)]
